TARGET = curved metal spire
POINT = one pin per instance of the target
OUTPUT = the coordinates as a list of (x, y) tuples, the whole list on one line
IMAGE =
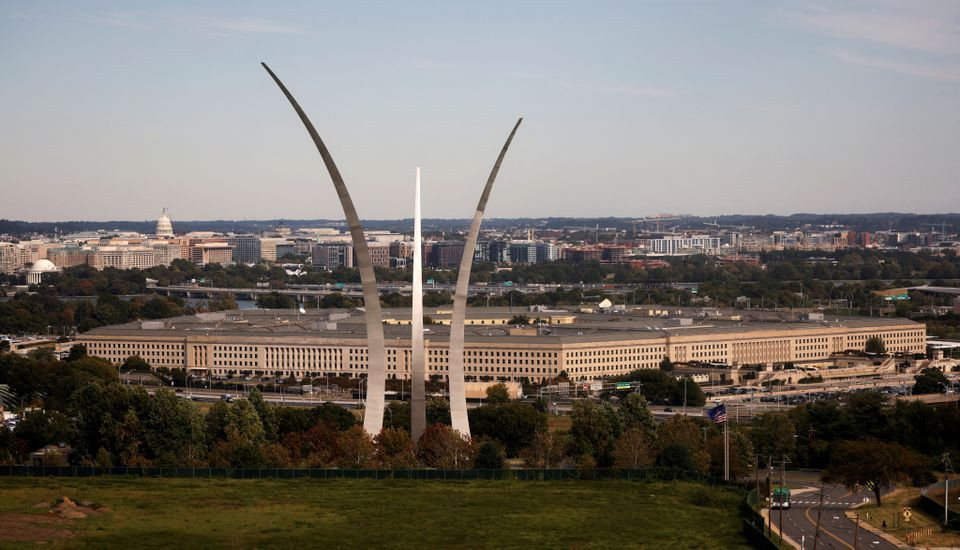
[(377, 356), (458, 398)]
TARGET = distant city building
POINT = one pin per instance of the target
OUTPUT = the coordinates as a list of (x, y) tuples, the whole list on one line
[(523, 252), (671, 245), (164, 225), (329, 256), (547, 252), (10, 261), (212, 253), (246, 248), (272, 248), (582, 254), (379, 254), (446, 254), (38, 270), (139, 257)]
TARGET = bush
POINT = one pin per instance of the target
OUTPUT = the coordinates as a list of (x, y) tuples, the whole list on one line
[(489, 456)]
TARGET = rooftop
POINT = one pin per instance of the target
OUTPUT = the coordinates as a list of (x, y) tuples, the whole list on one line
[(579, 326)]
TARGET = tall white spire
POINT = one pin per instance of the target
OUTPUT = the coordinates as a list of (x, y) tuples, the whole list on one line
[(418, 410)]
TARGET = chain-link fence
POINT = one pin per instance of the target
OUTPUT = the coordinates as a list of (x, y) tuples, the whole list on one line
[(653, 474)]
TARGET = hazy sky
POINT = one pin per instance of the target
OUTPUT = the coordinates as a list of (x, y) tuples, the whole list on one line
[(112, 110)]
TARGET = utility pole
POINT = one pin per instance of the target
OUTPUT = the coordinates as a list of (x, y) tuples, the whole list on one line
[(770, 495), (726, 453), (816, 534), (947, 470), (783, 467)]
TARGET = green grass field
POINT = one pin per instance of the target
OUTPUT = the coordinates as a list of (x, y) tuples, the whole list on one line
[(155, 513)]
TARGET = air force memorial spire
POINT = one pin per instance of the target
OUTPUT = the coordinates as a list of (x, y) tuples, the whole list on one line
[(376, 356), (376, 376), (458, 397), (418, 368)]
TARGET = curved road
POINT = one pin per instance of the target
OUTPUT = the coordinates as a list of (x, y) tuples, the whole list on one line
[(836, 530)]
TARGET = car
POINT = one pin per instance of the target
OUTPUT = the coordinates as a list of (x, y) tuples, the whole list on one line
[(226, 397)]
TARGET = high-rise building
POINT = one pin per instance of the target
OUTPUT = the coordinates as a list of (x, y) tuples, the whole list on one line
[(547, 252), (379, 254), (446, 254), (522, 252), (10, 261), (499, 252), (246, 248), (330, 256)]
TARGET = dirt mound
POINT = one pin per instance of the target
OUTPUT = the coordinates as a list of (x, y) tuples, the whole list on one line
[(68, 509)]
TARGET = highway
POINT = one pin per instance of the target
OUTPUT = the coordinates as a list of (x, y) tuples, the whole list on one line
[(836, 530)]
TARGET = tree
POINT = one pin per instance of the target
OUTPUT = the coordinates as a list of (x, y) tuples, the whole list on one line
[(681, 445), (441, 446), (498, 394), (357, 448), (635, 413), (519, 319), (489, 456), (633, 449), (266, 413), (547, 450), (666, 364), (224, 302), (872, 463), (395, 449), (773, 435), (135, 363), (512, 425), (930, 381), (77, 351), (594, 430), (875, 345)]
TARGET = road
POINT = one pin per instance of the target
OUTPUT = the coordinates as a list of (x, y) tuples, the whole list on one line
[(836, 530)]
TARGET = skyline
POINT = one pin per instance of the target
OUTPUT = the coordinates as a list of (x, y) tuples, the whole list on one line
[(631, 109)]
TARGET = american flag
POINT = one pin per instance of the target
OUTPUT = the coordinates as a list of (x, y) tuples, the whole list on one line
[(718, 414)]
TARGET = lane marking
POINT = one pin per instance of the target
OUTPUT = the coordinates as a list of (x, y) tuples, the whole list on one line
[(825, 530)]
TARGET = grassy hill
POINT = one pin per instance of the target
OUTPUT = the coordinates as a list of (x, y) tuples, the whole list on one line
[(154, 513)]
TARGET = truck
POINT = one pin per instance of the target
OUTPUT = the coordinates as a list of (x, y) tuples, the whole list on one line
[(780, 498)]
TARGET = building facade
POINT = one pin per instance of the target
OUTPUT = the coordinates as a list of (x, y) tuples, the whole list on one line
[(333, 343)]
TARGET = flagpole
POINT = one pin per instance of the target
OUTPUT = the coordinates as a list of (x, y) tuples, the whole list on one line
[(726, 453)]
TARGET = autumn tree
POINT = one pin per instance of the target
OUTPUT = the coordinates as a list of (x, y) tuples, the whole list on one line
[(871, 463), (441, 446), (546, 450), (634, 449), (357, 449), (395, 449)]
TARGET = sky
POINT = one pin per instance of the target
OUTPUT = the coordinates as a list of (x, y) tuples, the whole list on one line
[(113, 110)]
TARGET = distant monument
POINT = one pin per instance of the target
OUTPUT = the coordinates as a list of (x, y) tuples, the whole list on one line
[(376, 356), (164, 225)]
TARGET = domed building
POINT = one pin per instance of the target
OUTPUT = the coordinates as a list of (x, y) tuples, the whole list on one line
[(36, 271), (164, 225)]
